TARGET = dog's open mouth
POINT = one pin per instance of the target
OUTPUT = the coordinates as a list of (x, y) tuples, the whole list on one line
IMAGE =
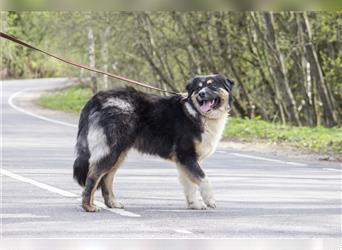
[(208, 105)]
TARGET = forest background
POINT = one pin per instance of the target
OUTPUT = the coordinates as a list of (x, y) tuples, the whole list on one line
[(287, 66)]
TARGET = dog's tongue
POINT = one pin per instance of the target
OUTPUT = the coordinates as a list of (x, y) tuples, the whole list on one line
[(206, 106)]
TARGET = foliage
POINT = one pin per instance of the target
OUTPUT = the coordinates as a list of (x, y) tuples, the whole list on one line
[(286, 65)]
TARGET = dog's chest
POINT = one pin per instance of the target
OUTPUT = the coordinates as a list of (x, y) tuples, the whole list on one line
[(211, 136)]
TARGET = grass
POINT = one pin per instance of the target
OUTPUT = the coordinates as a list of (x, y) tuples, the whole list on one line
[(318, 139), (69, 99)]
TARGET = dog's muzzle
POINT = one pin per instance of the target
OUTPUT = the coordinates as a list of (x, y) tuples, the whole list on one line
[(207, 100)]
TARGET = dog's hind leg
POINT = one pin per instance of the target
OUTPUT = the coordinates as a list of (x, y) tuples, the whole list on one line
[(97, 171), (93, 179), (190, 182), (107, 183)]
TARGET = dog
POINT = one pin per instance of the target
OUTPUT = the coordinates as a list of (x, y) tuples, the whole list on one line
[(185, 130)]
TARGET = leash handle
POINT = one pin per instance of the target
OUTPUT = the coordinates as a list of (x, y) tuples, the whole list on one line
[(16, 40)]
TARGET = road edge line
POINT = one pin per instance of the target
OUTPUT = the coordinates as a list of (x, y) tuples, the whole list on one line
[(17, 108), (269, 159), (62, 192)]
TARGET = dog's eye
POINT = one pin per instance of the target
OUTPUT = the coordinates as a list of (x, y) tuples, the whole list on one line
[(214, 87)]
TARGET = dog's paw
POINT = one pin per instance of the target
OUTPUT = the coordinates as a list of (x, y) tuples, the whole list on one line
[(211, 203), (91, 209), (114, 204), (197, 205)]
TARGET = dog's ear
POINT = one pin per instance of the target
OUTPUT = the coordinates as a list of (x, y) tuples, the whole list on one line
[(229, 86), (230, 100), (190, 86)]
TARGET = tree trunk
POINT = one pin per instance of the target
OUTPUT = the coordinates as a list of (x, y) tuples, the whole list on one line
[(149, 50), (104, 53), (330, 117), (91, 56), (262, 57), (223, 35), (309, 111), (279, 71)]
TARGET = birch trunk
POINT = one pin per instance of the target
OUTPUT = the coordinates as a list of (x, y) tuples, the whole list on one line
[(91, 56), (104, 53), (329, 115), (308, 109)]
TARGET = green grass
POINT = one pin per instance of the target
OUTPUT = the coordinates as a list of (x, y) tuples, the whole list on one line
[(69, 100), (318, 139)]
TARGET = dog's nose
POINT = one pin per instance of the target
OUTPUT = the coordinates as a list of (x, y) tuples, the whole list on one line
[(201, 94)]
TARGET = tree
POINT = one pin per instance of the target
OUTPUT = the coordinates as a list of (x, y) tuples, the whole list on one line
[(286, 65)]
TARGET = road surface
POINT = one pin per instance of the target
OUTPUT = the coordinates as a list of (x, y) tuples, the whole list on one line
[(258, 196)]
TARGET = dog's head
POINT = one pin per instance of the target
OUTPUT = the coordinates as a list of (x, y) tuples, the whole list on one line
[(210, 95)]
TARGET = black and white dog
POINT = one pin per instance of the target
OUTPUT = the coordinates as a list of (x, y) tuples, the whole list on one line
[(184, 130)]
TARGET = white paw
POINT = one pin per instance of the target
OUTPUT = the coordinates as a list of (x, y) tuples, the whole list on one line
[(91, 209), (114, 204), (198, 205), (210, 203)]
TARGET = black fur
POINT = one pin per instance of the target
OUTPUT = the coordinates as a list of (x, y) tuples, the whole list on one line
[(157, 124)]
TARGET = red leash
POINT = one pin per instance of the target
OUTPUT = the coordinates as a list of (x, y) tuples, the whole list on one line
[(13, 39)]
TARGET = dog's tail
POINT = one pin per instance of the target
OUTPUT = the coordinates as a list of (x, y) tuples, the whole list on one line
[(81, 168), (81, 164)]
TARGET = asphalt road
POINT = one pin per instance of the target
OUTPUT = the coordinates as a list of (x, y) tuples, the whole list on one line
[(257, 195)]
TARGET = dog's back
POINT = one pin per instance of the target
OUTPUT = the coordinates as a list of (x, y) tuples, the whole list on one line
[(118, 119)]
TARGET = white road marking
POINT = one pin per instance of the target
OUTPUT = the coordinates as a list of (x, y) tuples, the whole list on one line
[(221, 151), (182, 231), (172, 210), (269, 159), (119, 211), (11, 103), (63, 192), (37, 184), (10, 216), (333, 169)]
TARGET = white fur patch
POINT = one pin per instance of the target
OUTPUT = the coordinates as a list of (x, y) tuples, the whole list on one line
[(190, 109), (207, 192), (97, 143), (211, 136), (119, 103)]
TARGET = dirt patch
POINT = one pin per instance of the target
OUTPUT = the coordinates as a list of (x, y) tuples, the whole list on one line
[(277, 150)]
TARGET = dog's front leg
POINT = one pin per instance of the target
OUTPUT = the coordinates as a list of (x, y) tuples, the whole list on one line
[(190, 176), (207, 193)]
